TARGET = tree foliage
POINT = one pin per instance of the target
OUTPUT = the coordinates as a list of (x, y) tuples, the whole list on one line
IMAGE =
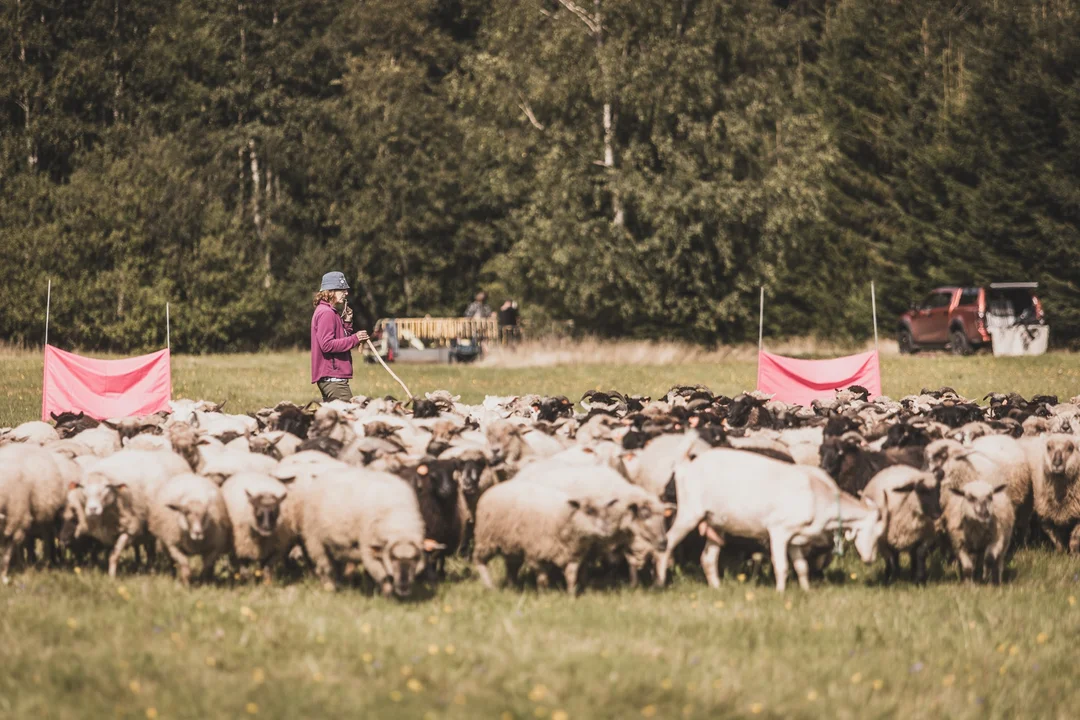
[(635, 166)]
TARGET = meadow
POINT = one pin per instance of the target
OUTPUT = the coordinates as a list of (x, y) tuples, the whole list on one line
[(76, 645)]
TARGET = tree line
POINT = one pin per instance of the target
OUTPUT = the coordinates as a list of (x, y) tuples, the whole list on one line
[(637, 167)]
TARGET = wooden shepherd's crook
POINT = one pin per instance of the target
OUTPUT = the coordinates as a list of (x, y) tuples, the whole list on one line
[(387, 368)]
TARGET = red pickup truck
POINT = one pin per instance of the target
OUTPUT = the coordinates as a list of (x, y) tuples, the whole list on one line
[(957, 318)]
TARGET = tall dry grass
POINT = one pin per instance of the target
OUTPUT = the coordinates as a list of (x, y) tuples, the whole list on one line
[(595, 351)]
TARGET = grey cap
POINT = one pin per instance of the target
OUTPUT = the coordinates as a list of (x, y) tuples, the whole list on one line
[(334, 281)]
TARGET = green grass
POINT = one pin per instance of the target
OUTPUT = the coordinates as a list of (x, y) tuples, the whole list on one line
[(79, 646)]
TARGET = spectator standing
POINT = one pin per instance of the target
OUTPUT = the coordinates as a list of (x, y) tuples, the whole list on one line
[(478, 308), (508, 321)]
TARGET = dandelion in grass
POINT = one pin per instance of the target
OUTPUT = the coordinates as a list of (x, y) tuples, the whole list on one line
[(151, 713), (538, 693), (396, 695), (406, 670), (414, 685), (812, 695), (72, 623), (123, 593), (447, 609), (135, 687), (1014, 650), (317, 678), (211, 661), (856, 678), (1072, 600), (560, 715), (1002, 647), (948, 680), (365, 628), (251, 709), (878, 684), (854, 576), (433, 649), (741, 577), (258, 676), (666, 684), (368, 658), (1041, 638), (749, 597), (787, 605), (648, 711), (507, 715), (78, 571), (756, 708), (719, 604), (449, 650), (433, 620)]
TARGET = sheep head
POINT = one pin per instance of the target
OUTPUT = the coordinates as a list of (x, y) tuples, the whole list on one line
[(1059, 451), (926, 487), (978, 499), (266, 507), (401, 561), (191, 518)]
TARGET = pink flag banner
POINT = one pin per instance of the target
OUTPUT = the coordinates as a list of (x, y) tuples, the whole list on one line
[(105, 388), (801, 381)]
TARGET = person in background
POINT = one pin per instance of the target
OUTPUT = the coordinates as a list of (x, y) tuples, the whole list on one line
[(508, 321), (478, 308), (333, 338)]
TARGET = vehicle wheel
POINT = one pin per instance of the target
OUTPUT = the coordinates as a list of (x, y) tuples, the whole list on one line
[(959, 343), (906, 342)]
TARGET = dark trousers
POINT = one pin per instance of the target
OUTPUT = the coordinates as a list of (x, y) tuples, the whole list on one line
[(335, 390)]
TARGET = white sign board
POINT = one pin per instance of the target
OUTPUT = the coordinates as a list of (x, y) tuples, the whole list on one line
[(1020, 340)]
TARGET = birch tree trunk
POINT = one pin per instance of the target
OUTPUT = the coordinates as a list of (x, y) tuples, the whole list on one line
[(24, 103), (256, 212), (608, 121)]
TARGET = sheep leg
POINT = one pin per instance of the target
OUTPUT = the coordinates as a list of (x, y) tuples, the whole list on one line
[(710, 560), (778, 542), (481, 556), (1074, 540), (114, 556), (183, 565), (150, 547), (324, 570), (7, 549), (513, 567), (918, 563), (683, 526), (571, 573), (967, 565), (802, 566), (1055, 536), (209, 562), (892, 562)]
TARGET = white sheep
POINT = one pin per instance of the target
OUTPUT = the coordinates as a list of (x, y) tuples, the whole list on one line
[(748, 495), (254, 502), (527, 523), (635, 516), (102, 440), (979, 520), (32, 495), (362, 516), (653, 466), (34, 432), (188, 517), (910, 501), (1055, 468), (114, 498)]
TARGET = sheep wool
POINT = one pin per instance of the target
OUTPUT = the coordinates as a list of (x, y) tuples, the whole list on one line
[(188, 517), (253, 502), (979, 519)]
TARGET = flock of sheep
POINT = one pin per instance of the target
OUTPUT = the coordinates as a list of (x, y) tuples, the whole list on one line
[(616, 484)]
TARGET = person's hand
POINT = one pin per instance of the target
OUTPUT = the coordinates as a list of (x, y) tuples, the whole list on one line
[(346, 313), (362, 336)]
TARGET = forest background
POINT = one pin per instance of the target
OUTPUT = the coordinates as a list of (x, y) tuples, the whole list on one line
[(633, 168)]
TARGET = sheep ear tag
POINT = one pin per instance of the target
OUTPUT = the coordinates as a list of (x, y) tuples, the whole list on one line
[(421, 469), (432, 545)]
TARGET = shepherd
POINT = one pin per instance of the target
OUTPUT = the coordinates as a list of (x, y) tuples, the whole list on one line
[(333, 338)]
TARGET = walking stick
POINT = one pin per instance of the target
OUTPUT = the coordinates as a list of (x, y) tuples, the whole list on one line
[(387, 368)]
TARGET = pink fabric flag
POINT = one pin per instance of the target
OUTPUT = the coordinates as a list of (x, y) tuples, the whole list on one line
[(105, 388), (801, 381)]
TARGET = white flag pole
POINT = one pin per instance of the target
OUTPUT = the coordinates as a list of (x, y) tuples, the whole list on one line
[(873, 304), (168, 339), (48, 307), (761, 319)]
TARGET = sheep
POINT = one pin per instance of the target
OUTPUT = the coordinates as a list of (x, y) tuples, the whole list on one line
[(652, 467), (527, 523), (114, 499), (911, 504), (752, 496), (362, 516), (188, 517), (439, 498), (636, 517), (253, 502), (69, 423), (32, 494), (1055, 480), (979, 519), (852, 465), (994, 458), (101, 440), (221, 464), (31, 433)]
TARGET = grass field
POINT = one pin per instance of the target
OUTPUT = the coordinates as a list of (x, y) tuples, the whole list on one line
[(75, 645)]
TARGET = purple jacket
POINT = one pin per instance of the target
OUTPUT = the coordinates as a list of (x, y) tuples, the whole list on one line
[(331, 342)]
